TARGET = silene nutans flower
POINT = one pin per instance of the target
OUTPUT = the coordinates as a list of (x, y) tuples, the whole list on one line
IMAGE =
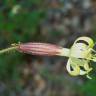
[(79, 55)]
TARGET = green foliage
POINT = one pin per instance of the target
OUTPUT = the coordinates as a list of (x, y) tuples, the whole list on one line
[(89, 88), (14, 27)]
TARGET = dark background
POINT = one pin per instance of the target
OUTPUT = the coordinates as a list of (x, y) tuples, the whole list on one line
[(54, 21)]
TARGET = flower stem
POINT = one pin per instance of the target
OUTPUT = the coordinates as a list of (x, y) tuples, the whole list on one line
[(8, 49)]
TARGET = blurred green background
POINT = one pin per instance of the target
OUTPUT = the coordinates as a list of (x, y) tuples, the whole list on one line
[(54, 21)]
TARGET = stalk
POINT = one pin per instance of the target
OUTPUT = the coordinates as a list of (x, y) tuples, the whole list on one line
[(8, 49)]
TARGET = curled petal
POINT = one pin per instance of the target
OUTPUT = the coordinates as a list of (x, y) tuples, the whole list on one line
[(75, 70)]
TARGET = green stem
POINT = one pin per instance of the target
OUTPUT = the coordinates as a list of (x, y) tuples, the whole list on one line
[(8, 49)]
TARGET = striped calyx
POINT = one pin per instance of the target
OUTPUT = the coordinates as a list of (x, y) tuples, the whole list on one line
[(40, 49)]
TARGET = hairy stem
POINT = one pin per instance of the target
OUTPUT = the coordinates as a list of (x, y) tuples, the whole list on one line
[(8, 49)]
